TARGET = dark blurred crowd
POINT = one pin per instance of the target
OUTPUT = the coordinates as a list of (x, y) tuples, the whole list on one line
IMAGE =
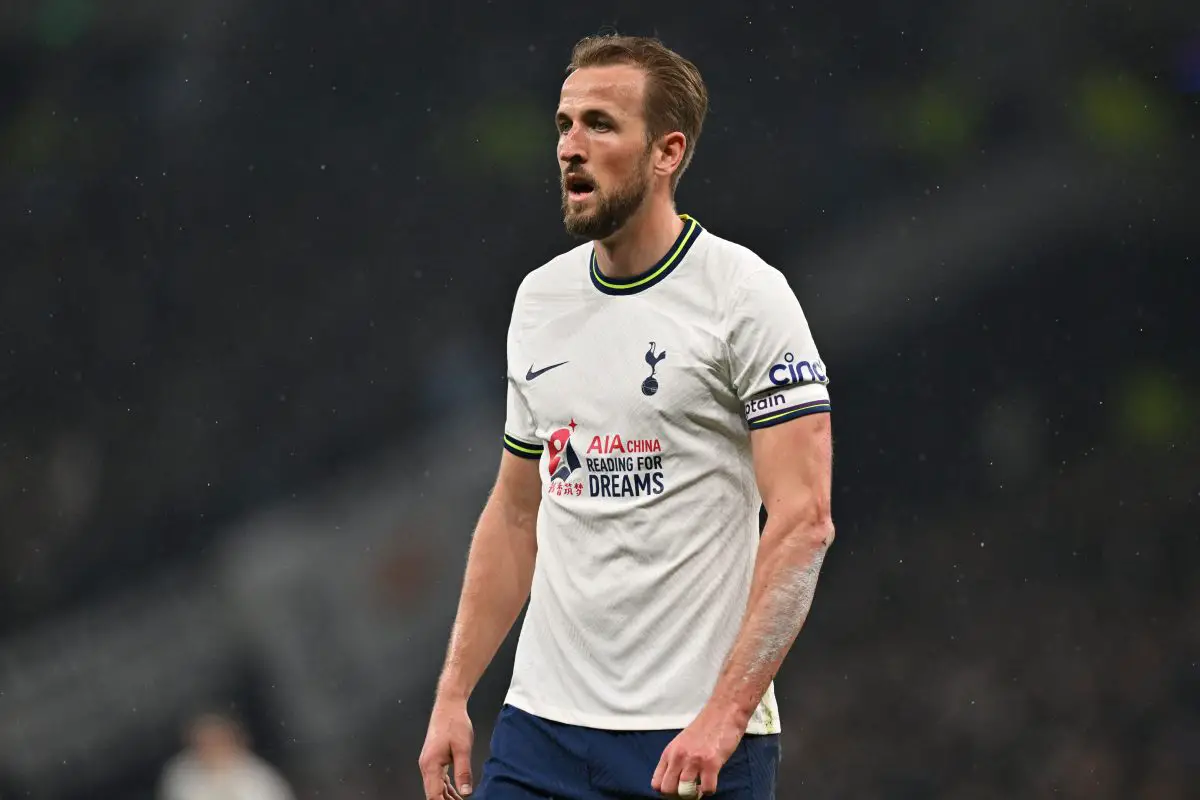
[(246, 248)]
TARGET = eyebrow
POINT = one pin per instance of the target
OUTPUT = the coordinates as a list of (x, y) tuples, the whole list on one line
[(588, 114)]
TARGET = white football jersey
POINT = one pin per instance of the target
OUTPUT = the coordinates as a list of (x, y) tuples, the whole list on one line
[(638, 396)]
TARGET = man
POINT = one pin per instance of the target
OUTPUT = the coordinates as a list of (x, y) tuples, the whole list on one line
[(662, 382), (219, 765)]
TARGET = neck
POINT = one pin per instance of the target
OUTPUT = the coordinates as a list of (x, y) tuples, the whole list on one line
[(641, 241)]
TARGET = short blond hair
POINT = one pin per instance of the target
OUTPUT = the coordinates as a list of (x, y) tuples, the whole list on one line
[(676, 97)]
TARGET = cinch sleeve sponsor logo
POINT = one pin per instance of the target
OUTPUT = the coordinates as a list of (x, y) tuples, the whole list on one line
[(792, 371)]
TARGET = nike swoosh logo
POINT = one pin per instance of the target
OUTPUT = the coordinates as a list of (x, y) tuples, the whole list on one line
[(530, 375)]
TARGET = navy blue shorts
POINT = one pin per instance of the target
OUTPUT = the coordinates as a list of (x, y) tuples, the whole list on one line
[(535, 759)]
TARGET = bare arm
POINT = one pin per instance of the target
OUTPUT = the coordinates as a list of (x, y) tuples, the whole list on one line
[(793, 465), (498, 576)]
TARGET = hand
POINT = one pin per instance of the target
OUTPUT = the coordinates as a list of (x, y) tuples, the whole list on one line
[(698, 752), (447, 745)]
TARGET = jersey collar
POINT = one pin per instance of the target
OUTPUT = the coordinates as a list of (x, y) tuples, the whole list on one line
[(668, 263)]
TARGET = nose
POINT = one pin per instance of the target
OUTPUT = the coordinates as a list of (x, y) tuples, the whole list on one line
[(570, 147)]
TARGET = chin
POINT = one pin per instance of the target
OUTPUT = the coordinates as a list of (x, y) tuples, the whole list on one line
[(578, 217), (578, 225), (590, 226)]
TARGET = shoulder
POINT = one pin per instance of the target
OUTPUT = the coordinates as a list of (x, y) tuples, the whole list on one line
[(732, 263), (264, 770), (178, 770), (255, 775), (739, 273), (563, 273), (180, 762)]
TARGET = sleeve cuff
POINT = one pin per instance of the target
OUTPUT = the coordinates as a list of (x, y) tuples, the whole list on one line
[(780, 415), (522, 448)]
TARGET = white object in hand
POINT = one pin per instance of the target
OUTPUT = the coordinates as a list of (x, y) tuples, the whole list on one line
[(688, 789)]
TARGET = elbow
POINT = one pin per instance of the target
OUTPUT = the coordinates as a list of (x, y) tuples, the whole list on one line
[(819, 533), (811, 530)]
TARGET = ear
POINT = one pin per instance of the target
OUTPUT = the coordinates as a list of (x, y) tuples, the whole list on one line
[(670, 150)]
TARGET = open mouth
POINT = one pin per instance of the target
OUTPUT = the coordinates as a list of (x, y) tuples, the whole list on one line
[(578, 187)]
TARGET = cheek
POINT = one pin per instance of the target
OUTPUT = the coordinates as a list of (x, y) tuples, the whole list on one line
[(618, 167)]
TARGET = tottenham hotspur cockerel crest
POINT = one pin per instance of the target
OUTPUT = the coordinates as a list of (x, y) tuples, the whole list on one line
[(650, 385)]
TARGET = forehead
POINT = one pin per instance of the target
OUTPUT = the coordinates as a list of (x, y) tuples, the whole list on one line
[(619, 88)]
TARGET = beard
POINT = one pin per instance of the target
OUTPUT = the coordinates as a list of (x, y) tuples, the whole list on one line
[(610, 210)]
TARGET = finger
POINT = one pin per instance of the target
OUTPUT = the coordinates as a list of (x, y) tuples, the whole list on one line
[(435, 791), (670, 780), (432, 775), (689, 789), (660, 770), (708, 779), (461, 752), (690, 773), (448, 791)]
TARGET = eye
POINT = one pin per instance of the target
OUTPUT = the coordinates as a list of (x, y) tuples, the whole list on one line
[(601, 125)]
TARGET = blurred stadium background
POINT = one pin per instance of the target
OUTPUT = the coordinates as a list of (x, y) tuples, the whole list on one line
[(256, 264)]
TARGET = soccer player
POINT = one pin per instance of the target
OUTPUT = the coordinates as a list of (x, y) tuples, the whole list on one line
[(663, 384)]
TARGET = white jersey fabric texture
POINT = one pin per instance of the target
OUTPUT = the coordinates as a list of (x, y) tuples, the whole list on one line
[(638, 397)]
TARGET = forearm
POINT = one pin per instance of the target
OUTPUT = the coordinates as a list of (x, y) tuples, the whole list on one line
[(496, 585), (789, 562)]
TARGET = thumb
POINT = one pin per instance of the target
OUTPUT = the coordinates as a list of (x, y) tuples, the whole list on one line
[(461, 751)]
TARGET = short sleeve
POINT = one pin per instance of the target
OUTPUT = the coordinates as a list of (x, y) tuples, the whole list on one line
[(774, 364), (520, 430), (519, 436)]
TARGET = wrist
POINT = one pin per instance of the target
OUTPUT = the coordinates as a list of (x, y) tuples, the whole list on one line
[(729, 711), (451, 693)]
